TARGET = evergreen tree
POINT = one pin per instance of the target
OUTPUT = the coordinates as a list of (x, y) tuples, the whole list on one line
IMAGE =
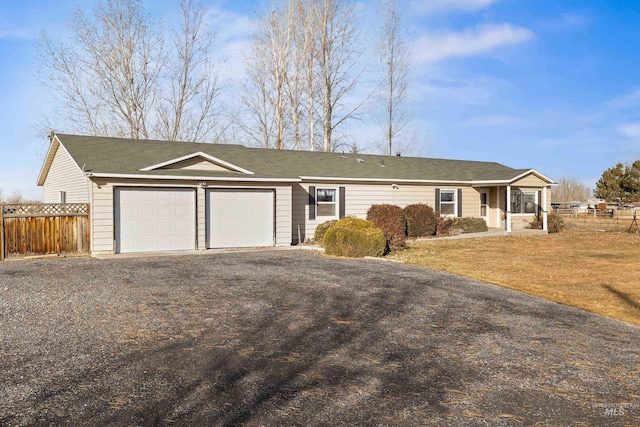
[(620, 183)]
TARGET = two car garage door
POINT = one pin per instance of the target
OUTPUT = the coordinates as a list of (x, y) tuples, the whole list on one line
[(164, 219)]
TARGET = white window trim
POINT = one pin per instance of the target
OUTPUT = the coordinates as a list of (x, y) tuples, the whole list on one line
[(336, 203), (455, 202)]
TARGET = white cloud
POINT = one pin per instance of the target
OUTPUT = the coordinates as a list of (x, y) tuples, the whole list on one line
[(631, 130), (482, 39), (428, 7)]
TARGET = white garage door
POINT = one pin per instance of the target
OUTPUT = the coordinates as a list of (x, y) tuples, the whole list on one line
[(240, 218), (155, 219)]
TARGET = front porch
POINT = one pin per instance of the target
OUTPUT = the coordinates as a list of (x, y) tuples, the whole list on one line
[(512, 207)]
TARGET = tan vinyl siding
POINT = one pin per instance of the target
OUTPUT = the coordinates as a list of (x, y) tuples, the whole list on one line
[(529, 181), (201, 218), (103, 213), (197, 163), (520, 221), (283, 215), (65, 175), (470, 202), (102, 218), (360, 197)]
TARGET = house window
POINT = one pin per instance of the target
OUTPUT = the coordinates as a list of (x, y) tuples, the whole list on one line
[(448, 202), (326, 201), (529, 203), (484, 208), (523, 202)]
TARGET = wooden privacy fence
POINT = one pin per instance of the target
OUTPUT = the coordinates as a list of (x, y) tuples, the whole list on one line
[(43, 229)]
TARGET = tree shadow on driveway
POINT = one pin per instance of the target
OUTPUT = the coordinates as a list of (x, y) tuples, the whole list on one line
[(293, 339)]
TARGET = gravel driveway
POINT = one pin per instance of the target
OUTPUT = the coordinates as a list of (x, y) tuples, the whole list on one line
[(295, 338)]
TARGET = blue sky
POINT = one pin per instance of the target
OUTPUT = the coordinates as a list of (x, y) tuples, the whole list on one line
[(544, 84)]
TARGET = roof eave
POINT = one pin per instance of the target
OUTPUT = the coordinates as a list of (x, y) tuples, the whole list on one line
[(189, 178), (384, 180), (48, 160)]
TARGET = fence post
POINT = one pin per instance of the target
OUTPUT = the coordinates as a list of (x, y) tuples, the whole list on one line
[(1, 232)]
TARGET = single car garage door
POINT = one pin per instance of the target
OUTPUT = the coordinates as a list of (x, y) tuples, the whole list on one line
[(240, 218), (155, 219)]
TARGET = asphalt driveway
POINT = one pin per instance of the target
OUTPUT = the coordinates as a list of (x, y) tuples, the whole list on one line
[(295, 338)]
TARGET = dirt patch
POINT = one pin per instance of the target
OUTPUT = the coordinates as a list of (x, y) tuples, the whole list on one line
[(294, 338), (588, 270)]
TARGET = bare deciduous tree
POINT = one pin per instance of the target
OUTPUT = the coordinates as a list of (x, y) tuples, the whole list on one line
[(268, 64), (257, 100), (394, 59), (115, 78), (339, 55), (308, 56), (569, 189), (186, 111), (299, 53)]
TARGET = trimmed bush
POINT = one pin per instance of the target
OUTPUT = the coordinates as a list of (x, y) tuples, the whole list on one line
[(445, 226), (390, 219), (421, 220), (321, 229), (355, 238), (471, 225)]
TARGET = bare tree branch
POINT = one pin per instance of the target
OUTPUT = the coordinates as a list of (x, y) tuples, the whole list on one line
[(394, 60), (114, 77)]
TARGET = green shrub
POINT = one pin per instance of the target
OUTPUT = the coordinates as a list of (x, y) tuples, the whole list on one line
[(471, 225), (390, 219), (555, 223), (321, 229), (353, 237), (421, 220)]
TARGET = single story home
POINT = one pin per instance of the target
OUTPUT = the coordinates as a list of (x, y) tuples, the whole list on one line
[(164, 196)]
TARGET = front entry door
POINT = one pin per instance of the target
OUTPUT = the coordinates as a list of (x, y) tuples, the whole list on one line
[(484, 207)]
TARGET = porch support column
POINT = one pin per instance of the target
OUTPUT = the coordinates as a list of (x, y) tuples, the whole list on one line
[(545, 223), (508, 209)]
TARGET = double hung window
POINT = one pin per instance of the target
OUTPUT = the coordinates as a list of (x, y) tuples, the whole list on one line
[(448, 202), (326, 202)]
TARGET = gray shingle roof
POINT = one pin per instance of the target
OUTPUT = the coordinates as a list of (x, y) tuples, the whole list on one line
[(102, 155)]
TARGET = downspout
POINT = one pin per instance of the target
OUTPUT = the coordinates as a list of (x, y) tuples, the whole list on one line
[(508, 208)]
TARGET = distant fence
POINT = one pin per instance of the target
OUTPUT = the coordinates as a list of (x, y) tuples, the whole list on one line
[(43, 229), (621, 220)]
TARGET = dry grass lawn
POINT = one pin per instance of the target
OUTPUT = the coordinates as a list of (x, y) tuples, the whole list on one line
[(594, 271)]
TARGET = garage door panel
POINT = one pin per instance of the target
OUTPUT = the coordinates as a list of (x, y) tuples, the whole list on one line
[(240, 218), (154, 219)]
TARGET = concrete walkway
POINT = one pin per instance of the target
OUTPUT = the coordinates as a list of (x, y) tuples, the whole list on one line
[(491, 233)]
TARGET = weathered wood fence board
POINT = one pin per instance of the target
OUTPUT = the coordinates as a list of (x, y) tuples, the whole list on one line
[(43, 229)]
